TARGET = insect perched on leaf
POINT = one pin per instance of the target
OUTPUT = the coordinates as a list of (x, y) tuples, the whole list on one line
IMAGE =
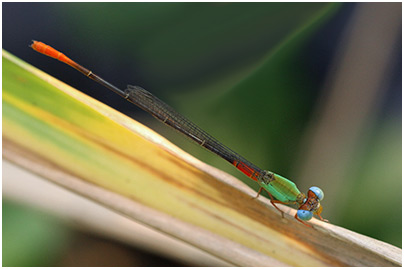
[(280, 189)]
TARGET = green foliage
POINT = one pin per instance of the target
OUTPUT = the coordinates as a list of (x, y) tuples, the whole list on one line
[(31, 238)]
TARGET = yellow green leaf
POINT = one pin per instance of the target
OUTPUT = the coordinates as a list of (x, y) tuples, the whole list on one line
[(81, 144)]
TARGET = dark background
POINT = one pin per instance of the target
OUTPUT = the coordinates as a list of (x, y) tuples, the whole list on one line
[(254, 75)]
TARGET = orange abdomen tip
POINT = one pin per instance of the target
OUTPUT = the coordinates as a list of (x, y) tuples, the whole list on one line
[(49, 51)]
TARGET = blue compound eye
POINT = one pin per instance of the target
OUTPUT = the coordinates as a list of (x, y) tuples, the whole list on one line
[(304, 214), (318, 192)]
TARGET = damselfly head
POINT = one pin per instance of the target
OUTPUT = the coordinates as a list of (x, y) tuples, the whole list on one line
[(311, 204)]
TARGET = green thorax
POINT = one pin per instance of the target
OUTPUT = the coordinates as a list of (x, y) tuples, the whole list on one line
[(282, 189)]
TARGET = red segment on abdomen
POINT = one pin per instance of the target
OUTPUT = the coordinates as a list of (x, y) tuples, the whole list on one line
[(51, 52), (251, 173)]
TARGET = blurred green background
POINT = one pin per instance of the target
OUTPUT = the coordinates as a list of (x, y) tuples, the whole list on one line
[(292, 87)]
